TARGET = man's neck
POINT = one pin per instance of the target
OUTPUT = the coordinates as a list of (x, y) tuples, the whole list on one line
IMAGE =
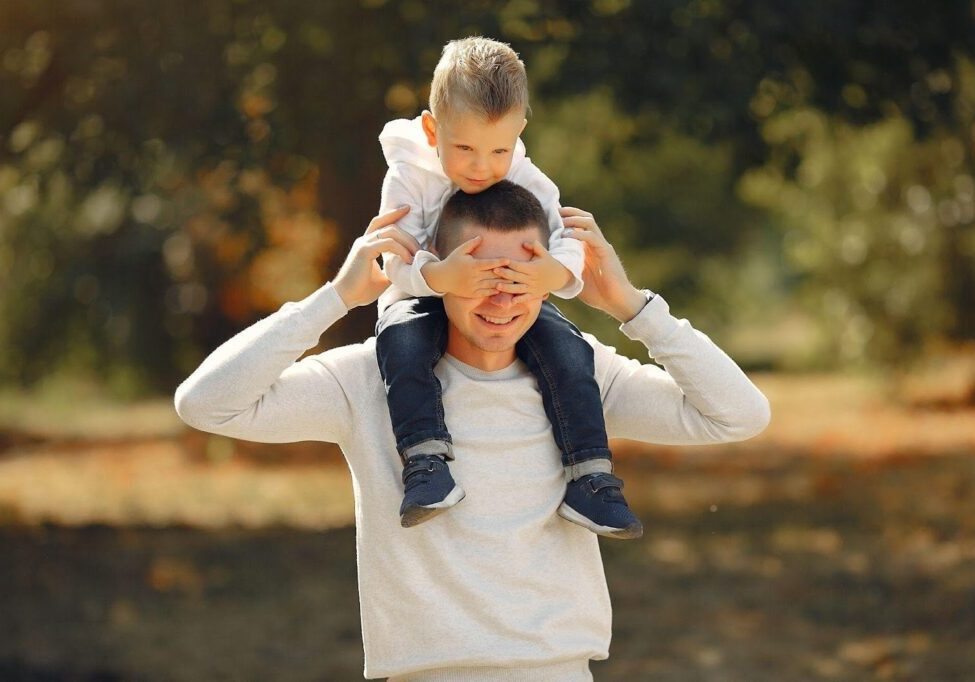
[(484, 360)]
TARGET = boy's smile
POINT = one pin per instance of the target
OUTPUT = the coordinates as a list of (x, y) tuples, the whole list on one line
[(475, 153)]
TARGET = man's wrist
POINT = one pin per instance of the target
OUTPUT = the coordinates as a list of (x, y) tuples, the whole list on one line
[(631, 304)]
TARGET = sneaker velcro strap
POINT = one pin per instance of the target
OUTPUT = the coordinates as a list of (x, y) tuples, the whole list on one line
[(421, 463), (600, 481)]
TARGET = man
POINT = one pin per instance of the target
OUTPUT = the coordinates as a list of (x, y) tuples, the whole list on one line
[(502, 588)]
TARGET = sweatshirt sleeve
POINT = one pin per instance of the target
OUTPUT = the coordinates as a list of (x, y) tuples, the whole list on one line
[(701, 395), (569, 252), (251, 387), (402, 188)]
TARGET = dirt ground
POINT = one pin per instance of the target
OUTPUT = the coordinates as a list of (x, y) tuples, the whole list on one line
[(840, 545)]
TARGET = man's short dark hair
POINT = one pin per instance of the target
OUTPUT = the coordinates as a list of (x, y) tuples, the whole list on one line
[(502, 207)]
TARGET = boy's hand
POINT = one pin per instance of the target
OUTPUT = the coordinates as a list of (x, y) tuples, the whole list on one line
[(538, 277), (461, 274), (607, 287)]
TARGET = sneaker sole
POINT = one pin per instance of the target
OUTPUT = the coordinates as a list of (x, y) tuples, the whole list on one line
[(629, 533), (414, 516)]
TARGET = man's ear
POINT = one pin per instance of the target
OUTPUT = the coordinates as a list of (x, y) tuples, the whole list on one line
[(429, 124)]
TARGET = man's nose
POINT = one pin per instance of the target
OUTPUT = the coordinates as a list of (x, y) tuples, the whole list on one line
[(501, 299)]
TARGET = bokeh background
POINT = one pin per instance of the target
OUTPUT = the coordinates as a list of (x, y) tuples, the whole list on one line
[(798, 179)]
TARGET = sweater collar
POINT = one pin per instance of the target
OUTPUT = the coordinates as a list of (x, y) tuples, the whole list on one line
[(515, 369)]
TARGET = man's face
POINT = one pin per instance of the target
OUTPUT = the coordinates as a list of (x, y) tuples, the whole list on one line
[(482, 332), (475, 153)]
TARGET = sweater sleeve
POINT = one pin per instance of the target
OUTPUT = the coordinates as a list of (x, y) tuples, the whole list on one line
[(701, 395), (569, 252), (401, 188), (251, 387)]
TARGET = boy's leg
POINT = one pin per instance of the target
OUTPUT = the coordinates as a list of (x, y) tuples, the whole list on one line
[(410, 339), (563, 363)]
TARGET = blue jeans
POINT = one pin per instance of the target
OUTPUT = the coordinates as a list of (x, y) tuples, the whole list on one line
[(411, 336)]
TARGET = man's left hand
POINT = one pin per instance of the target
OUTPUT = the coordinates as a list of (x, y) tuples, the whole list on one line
[(607, 287), (538, 277)]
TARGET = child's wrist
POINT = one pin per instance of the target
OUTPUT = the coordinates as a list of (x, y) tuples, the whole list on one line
[(432, 274)]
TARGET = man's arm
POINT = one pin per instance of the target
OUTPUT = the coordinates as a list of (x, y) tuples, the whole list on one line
[(252, 388), (702, 397)]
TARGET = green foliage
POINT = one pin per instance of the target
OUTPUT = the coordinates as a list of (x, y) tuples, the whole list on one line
[(878, 228), (171, 172)]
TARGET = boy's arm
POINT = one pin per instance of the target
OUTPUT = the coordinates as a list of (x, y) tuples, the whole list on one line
[(401, 188), (568, 252)]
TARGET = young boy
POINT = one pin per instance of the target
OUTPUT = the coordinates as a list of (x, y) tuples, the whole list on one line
[(468, 141)]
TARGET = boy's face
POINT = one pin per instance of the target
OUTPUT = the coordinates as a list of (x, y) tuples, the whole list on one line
[(475, 153)]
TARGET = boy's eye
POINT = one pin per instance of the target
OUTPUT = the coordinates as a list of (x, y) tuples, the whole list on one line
[(500, 151), (463, 147)]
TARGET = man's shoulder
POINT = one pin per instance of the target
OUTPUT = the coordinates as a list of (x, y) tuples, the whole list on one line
[(351, 363), (607, 361)]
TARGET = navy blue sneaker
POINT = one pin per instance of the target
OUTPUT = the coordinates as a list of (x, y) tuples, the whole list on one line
[(596, 502), (429, 489)]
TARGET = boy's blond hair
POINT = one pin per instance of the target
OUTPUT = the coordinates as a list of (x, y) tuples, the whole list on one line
[(480, 76)]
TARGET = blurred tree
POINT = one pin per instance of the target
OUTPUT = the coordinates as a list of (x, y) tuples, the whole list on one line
[(168, 173)]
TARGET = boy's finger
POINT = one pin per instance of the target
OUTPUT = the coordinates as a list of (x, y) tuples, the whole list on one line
[(521, 267), (513, 288), (469, 245), (387, 218), (536, 248), (508, 274), (491, 263), (487, 291)]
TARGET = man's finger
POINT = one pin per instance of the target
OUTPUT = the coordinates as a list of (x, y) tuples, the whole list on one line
[(404, 238), (573, 211), (387, 218), (582, 223), (390, 246)]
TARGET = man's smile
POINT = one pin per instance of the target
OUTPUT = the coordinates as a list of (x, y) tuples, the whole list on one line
[(497, 322)]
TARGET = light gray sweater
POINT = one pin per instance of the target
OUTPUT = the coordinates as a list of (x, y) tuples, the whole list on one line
[(499, 587)]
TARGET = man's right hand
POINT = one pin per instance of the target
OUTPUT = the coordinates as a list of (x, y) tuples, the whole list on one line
[(461, 274), (360, 280)]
